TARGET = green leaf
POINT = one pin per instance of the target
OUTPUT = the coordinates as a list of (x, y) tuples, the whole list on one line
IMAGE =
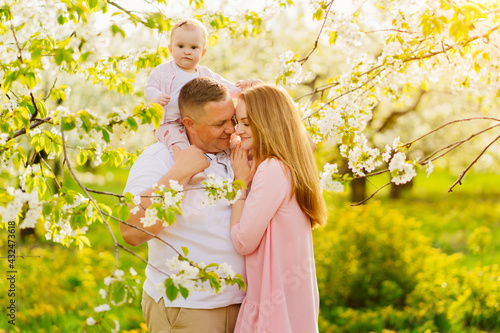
[(105, 135), (133, 124), (332, 37), (117, 30), (184, 292), (172, 292), (123, 213), (156, 114), (185, 250)]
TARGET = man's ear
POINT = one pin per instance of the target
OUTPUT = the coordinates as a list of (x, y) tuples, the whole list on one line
[(188, 122)]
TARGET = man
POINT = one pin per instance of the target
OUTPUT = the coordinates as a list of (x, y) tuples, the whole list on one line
[(207, 114)]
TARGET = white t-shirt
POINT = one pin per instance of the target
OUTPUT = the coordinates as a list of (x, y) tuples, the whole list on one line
[(172, 111), (203, 230)]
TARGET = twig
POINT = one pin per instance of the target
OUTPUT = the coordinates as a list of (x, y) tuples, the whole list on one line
[(454, 145), (34, 104), (407, 145), (395, 30), (95, 205), (141, 258), (50, 90), (459, 180), (343, 94), (36, 123), (51, 171), (145, 231), (303, 60), (371, 196)]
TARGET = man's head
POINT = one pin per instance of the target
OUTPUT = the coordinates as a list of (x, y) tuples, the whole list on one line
[(207, 112)]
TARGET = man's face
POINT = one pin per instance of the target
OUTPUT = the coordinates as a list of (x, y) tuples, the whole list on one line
[(212, 131)]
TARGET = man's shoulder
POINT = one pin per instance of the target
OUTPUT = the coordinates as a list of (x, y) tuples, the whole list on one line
[(157, 150)]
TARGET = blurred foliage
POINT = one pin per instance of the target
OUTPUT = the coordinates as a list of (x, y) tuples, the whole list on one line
[(57, 288), (379, 272)]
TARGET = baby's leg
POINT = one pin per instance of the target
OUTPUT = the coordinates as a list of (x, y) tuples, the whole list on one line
[(174, 133)]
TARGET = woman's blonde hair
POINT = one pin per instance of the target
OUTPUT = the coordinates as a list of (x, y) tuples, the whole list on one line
[(278, 133)]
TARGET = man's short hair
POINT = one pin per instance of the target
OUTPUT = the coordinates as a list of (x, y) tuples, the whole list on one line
[(197, 93)]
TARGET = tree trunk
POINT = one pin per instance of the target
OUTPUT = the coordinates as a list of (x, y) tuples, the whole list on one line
[(398, 190), (358, 190)]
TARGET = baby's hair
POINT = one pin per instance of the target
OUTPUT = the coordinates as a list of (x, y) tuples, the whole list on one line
[(190, 24)]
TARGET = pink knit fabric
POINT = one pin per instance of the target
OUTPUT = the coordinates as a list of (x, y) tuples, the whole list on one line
[(275, 235)]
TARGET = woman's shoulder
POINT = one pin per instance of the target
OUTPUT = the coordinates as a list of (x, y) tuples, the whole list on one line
[(273, 166)]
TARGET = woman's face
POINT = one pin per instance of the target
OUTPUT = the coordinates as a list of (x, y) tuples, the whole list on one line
[(243, 129)]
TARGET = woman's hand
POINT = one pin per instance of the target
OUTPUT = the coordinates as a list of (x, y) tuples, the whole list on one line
[(243, 168)]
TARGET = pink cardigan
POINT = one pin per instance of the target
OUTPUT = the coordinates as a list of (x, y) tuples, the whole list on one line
[(275, 235)]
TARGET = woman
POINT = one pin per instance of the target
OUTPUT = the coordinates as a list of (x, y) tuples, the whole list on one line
[(272, 226)]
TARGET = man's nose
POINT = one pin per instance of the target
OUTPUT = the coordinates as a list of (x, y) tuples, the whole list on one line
[(229, 129)]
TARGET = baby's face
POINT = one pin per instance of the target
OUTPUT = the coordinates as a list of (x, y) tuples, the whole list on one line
[(187, 47)]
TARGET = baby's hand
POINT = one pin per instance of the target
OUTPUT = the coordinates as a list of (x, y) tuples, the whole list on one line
[(163, 99), (248, 83)]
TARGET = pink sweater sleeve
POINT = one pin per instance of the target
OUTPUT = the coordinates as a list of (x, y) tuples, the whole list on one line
[(269, 188), (153, 87)]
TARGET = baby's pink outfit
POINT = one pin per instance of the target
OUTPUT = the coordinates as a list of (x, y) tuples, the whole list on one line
[(276, 238), (168, 78)]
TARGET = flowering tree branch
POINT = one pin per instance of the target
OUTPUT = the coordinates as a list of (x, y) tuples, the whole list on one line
[(303, 60), (459, 180)]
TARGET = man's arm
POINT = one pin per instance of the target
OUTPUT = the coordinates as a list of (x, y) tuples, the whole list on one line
[(187, 162)]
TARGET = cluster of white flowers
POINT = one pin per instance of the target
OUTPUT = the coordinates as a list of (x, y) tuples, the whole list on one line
[(290, 70), (327, 182), (61, 230), (102, 308), (121, 115), (218, 189), (401, 170), (168, 198), (91, 321), (11, 211), (11, 106), (82, 36), (184, 274), (363, 158), (3, 138)]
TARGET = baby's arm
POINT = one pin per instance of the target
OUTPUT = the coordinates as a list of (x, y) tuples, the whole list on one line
[(152, 90), (248, 83)]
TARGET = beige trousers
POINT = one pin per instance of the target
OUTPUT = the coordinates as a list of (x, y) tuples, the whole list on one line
[(161, 319)]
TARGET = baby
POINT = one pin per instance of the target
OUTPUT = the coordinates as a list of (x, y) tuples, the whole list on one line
[(188, 40)]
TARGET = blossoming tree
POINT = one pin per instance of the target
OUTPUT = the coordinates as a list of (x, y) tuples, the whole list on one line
[(44, 59)]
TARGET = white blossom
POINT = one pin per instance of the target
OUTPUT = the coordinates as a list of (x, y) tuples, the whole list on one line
[(430, 168), (102, 308)]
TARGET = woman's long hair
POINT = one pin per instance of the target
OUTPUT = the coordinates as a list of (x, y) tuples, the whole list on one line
[(278, 132)]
